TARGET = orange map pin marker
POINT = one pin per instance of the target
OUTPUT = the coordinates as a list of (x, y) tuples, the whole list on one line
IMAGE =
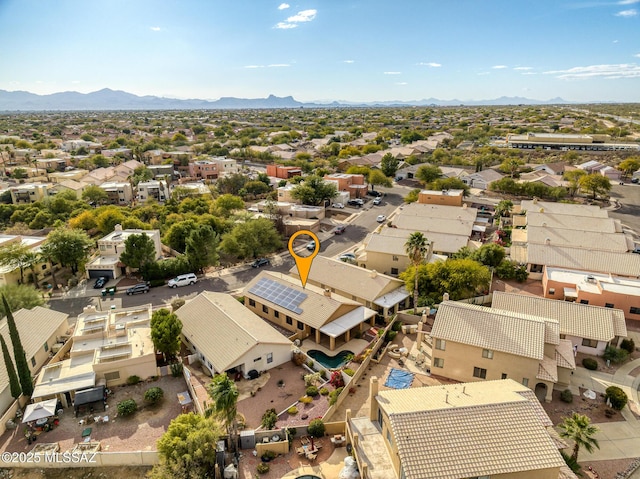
[(303, 263)]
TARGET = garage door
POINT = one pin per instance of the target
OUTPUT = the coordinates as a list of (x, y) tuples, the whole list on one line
[(96, 273)]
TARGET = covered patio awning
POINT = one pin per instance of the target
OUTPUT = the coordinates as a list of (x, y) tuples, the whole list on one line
[(347, 321), (479, 229), (63, 385), (39, 410), (391, 299), (89, 396)]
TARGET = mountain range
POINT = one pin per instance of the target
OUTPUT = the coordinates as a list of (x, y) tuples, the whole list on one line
[(107, 99)]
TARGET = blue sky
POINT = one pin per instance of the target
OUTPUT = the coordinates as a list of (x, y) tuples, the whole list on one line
[(353, 50)]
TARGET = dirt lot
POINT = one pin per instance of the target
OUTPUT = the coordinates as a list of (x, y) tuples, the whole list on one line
[(81, 473), (593, 408)]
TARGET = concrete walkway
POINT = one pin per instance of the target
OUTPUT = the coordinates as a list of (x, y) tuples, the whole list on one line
[(618, 440)]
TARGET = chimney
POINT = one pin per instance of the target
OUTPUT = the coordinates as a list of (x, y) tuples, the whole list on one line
[(327, 292), (373, 273), (117, 228), (547, 241), (445, 297), (464, 206), (535, 201)]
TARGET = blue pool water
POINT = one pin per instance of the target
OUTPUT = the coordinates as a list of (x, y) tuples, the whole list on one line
[(330, 362)]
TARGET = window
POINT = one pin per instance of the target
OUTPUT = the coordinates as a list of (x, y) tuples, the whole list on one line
[(487, 353), (438, 362), (590, 343), (480, 373), (584, 301), (289, 320), (563, 336), (525, 382), (394, 271), (265, 309), (394, 258), (441, 344), (252, 303), (504, 376), (33, 361), (112, 376), (269, 358), (634, 310), (276, 313), (46, 347), (608, 305), (552, 291), (300, 326)]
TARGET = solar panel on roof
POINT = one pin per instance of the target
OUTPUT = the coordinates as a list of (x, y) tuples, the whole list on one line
[(279, 294)]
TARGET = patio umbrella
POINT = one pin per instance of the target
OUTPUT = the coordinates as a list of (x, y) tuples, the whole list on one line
[(38, 410)]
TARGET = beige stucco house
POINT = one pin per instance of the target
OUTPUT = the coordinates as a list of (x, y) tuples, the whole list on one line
[(492, 429), (475, 343), (10, 274), (226, 336)]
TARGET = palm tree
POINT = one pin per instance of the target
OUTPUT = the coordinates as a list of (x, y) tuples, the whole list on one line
[(579, 429), (224, 393), (416, 248)]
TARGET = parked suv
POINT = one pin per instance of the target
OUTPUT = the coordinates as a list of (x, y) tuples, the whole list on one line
[(183, 280), (100, 282), (138, 288), (260, 262)]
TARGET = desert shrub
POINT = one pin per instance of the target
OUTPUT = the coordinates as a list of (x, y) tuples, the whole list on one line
[(292, 410), (262, 468), (333, 396), (298, 359), (566, 396), (177, 304), (324, 391), (153, 395), (397, 326), (336, 379), (131, 380), (323, 373), (312, 391), (349, 371), (615, 355), (391, 335), (617, 397), (590, 364), (310, 364), (305, 399), (127, 407), (311, 379), (316, 428), (521, 273), (176, 369), (628, 345), (269, 419)]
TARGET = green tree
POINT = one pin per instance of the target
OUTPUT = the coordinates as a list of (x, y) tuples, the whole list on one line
[(26, 381), (503, 208), (139, 250), (226, 204), (96, 195), (14, 382), (177, 234), (202, 247), (511, 166), (165, 332), (630, 165), (596, 184), (108, 217), (377, 177), (578, 428), (416, 247), (251, 239), (450, 184), (314, 191), (573, 177), (188, 449), (18, 255), (69, 247), (389, 165), (20, 296), (140, 174), (428, 173), (224, 393), (489, 254)]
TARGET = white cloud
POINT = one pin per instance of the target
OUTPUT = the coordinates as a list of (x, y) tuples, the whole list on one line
[(529, 73), (392, 73), (75, 82), (628, 2), (430, 64), (627, 13), (499, 67), (348, 61), (254, 66), (612, 72), (637, 55), (283, 6), (401, 83), (155, 29), (483, 73), (300, 17), (278, 65), (615, 41), (523, 68)]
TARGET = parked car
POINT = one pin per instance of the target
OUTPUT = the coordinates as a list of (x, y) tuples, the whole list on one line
[(635, 180), (340, 229), (353, 203), (260, 262), (374, 193), (338, 205), (183, 280), (381, 218), (377, 200), (311, 245), (347, 257), (100, 282), (138, 288)]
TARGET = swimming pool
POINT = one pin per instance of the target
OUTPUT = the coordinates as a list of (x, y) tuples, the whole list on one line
[(330, 362), (307, 476)]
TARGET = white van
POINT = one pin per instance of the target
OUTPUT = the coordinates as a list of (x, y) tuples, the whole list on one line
[(183, 280)]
